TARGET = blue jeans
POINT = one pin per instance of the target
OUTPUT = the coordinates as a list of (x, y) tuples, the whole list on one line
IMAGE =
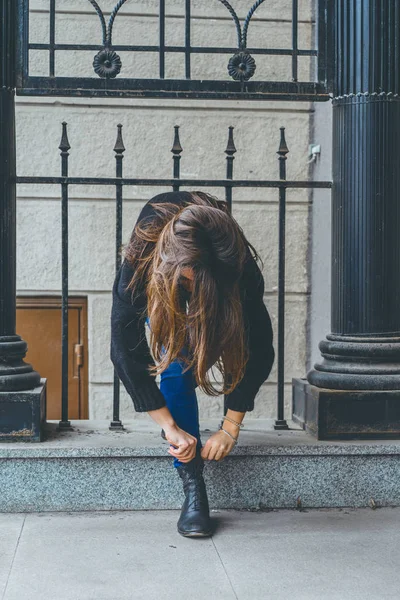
[(179, 391)]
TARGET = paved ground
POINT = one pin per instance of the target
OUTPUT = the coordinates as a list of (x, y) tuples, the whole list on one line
[(280, 555)]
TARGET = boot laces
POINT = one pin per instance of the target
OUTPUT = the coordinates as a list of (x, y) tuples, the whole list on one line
[(198, 499)]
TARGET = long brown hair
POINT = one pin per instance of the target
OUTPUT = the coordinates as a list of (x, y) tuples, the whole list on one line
[(197, 232)]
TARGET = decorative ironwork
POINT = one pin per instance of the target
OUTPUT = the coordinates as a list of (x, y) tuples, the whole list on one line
[(239, 81), (107, 63), (64, 146), (230, 147), (176, 151), (107, 30), (119, 147), (242, 66)]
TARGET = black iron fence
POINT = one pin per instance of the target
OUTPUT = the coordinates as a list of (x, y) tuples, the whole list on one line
[(176, 182), (356, 55), (239, 76), (104, 61)]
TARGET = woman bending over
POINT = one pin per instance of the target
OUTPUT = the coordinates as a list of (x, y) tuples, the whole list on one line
[(190, 274)]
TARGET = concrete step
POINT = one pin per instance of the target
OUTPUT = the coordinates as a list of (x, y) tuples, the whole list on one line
[(93, 468)]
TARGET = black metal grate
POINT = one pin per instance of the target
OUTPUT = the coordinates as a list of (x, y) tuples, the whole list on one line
[(241, 73)]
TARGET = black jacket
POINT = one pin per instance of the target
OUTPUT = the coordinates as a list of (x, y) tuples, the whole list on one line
[(131, 355)]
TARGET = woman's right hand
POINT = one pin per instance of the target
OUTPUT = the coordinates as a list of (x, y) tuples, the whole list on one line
[(185, 443)]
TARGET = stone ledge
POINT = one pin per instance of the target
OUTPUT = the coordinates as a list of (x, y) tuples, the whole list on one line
[(142, 439), (93, 468)]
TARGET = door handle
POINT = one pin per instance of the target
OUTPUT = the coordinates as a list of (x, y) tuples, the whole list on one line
[(78, 349)]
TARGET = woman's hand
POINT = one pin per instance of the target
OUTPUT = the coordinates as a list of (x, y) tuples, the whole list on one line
[(217, 446), (185, 443)]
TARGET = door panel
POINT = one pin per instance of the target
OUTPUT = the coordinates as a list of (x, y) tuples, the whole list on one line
[(39, 324)]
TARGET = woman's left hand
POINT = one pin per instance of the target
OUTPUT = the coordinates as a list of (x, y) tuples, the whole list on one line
[(217, 446)]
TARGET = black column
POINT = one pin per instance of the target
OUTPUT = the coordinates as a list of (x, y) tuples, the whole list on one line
[(355, 389), (15, 374)]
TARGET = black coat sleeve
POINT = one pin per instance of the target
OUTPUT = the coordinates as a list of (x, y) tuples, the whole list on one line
[(260, 339), (129, 350)]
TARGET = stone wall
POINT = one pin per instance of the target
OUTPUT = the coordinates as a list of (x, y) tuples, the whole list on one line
[(148, 135)]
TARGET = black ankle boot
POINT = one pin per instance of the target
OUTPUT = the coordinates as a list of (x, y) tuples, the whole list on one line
[(195, 514)]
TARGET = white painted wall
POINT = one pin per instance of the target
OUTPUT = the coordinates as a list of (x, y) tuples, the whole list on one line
[(148, 135), (320, 234)]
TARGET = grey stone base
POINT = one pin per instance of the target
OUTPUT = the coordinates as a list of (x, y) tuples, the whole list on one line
[(93, 468), (346, 414), (23, 415)]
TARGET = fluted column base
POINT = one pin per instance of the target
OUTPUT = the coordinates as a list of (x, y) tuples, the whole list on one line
[(15, 373), (358, 363), (354, 392)]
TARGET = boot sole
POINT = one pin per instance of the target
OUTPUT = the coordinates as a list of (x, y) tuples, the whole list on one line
[(195, 533)]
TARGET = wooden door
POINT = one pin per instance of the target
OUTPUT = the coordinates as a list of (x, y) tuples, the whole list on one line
[(39, 324)]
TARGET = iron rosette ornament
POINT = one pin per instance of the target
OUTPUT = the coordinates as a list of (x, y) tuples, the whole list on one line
[(107, 64), (242, 66)]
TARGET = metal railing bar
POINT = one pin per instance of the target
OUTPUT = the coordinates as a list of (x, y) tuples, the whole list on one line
[(140, 199), (89, 290), (280, 422), (162, 39), (52, 37), (300, 92), (295, 34), (188, 48), (119, 150), (245, 183), (24, 41), (324, 41), (64, 423), (182, 49), (230, 151), (171, 15)]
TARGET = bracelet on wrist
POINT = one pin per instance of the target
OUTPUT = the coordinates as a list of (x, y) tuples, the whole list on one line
[(240, 425), (227, 433)]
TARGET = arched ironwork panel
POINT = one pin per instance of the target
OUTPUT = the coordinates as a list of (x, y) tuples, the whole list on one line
[(258, 53)]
